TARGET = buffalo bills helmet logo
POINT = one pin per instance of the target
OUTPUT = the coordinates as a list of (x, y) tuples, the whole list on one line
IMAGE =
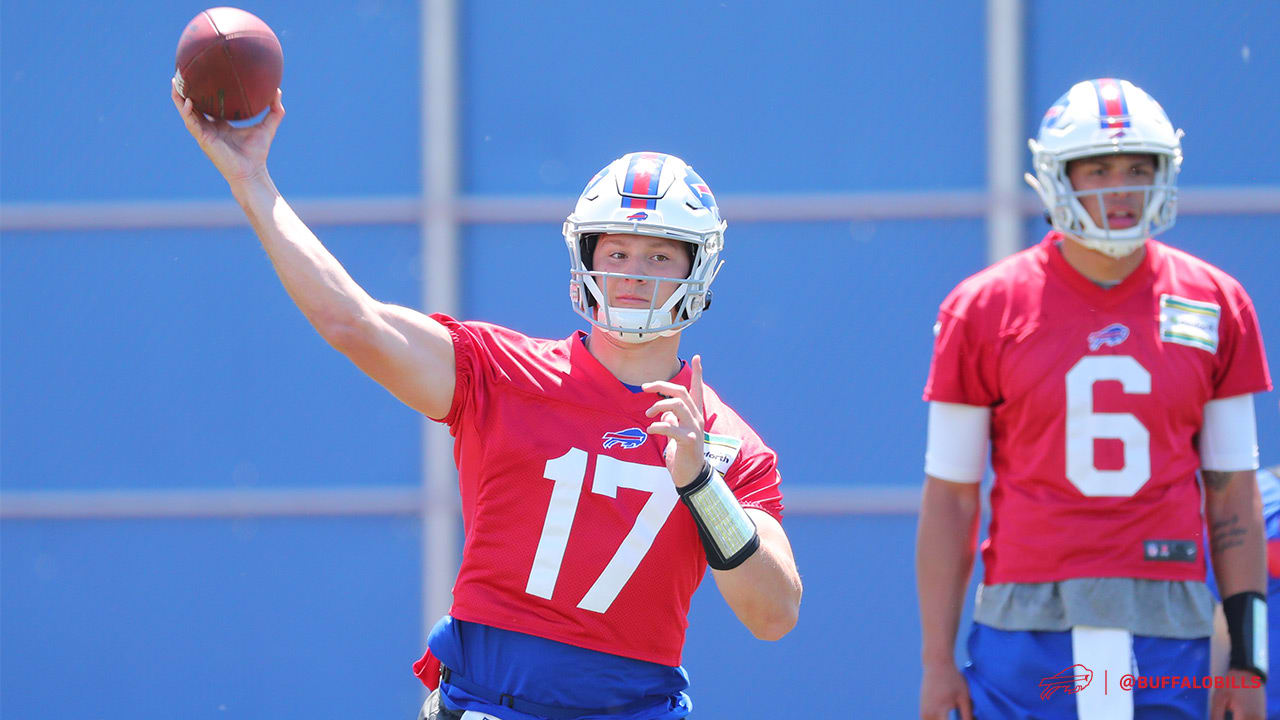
[(1070, 680), (628, 439), (642, 215), (1111, 335), (700, 190), (1054, 113)]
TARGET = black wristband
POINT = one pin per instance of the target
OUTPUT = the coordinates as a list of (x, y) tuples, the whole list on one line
[(1246, 615), (720, 521)]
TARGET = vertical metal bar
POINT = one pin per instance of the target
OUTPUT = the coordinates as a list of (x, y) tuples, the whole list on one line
[(1006, 145), (440, 273)]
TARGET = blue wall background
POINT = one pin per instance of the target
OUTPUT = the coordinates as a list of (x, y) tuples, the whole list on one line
[(172, 359)]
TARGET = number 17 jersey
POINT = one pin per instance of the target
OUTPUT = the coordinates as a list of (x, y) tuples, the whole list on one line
[(1097, 396), (573, 528)]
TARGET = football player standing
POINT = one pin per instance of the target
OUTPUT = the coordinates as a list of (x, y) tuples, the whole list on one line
[(1103, 368)]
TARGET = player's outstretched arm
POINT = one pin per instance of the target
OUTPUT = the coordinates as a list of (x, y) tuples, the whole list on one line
[(945, 542), (407, 352), (1237, 544)]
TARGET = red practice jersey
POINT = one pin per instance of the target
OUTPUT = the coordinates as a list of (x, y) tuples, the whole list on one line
[(1096, 400), (574, 530)]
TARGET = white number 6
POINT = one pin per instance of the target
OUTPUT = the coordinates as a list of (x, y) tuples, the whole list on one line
[(1084, 426)]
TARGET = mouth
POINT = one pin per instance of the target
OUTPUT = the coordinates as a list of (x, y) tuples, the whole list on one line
[(1121, 219), (630, 301)]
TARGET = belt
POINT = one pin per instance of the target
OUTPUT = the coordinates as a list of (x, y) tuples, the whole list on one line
[(551, 712)]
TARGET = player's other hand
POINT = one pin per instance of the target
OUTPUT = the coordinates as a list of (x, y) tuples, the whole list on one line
[(943, 689), (239, 153), (1245, 703), (680, 419)]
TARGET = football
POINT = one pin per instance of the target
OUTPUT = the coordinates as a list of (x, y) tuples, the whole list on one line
[(229, 63)]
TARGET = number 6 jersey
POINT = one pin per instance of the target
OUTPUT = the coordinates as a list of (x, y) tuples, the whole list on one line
[(573, 528), (1096, 397)]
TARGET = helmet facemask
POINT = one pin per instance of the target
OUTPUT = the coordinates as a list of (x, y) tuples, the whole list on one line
[(1106, 117), (1067, 214), (589, 293), (672, 203)]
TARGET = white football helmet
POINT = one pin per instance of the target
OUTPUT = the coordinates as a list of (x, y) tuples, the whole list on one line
[(1101, 117), (644, 193)]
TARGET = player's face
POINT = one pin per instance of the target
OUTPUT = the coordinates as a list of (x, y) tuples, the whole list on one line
[(1113, 210), (640, 255)]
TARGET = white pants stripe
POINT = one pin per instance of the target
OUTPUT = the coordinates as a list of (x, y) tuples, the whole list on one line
[(1109, 651)]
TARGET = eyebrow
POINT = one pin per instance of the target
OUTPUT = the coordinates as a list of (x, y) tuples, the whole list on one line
[(649, 245), (1104, 161)]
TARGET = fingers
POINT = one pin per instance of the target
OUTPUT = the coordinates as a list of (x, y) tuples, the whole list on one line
[(679, 406), (1217, 704), (275, 115), (669, 389), (187, 110), (695, 384)]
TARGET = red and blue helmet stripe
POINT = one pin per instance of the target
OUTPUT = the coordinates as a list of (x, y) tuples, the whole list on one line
[(1113, 108), (640, 187)]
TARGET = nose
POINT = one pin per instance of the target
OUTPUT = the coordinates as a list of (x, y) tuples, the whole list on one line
[(633, 266)]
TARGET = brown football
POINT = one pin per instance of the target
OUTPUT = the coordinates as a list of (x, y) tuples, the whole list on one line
[(229, 63)]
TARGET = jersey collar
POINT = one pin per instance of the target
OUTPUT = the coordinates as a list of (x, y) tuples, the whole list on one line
[(1097, 295), (601, 377)]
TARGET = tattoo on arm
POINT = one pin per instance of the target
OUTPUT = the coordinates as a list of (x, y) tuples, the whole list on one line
[(1215, 479), (1226, 534)]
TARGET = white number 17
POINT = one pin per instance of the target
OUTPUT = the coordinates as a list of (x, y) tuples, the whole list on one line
[(568, 473)]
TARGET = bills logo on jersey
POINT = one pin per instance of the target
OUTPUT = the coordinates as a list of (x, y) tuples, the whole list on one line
[(1189, 322), (1111, 335), (628, 439), (637, 217)]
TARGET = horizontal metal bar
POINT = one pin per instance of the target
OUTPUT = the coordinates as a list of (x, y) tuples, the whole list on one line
[(481, 209), (112, 504), (374, 501)]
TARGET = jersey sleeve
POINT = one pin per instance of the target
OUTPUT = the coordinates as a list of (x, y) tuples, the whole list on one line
[(1242, 361), (756, 482), (472, 361), (960, 371)]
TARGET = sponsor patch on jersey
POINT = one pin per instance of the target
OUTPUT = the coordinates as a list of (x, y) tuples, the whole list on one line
[(1189, 322), (1169, 550), (720, 451), (1111, 335), (628, 439)]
